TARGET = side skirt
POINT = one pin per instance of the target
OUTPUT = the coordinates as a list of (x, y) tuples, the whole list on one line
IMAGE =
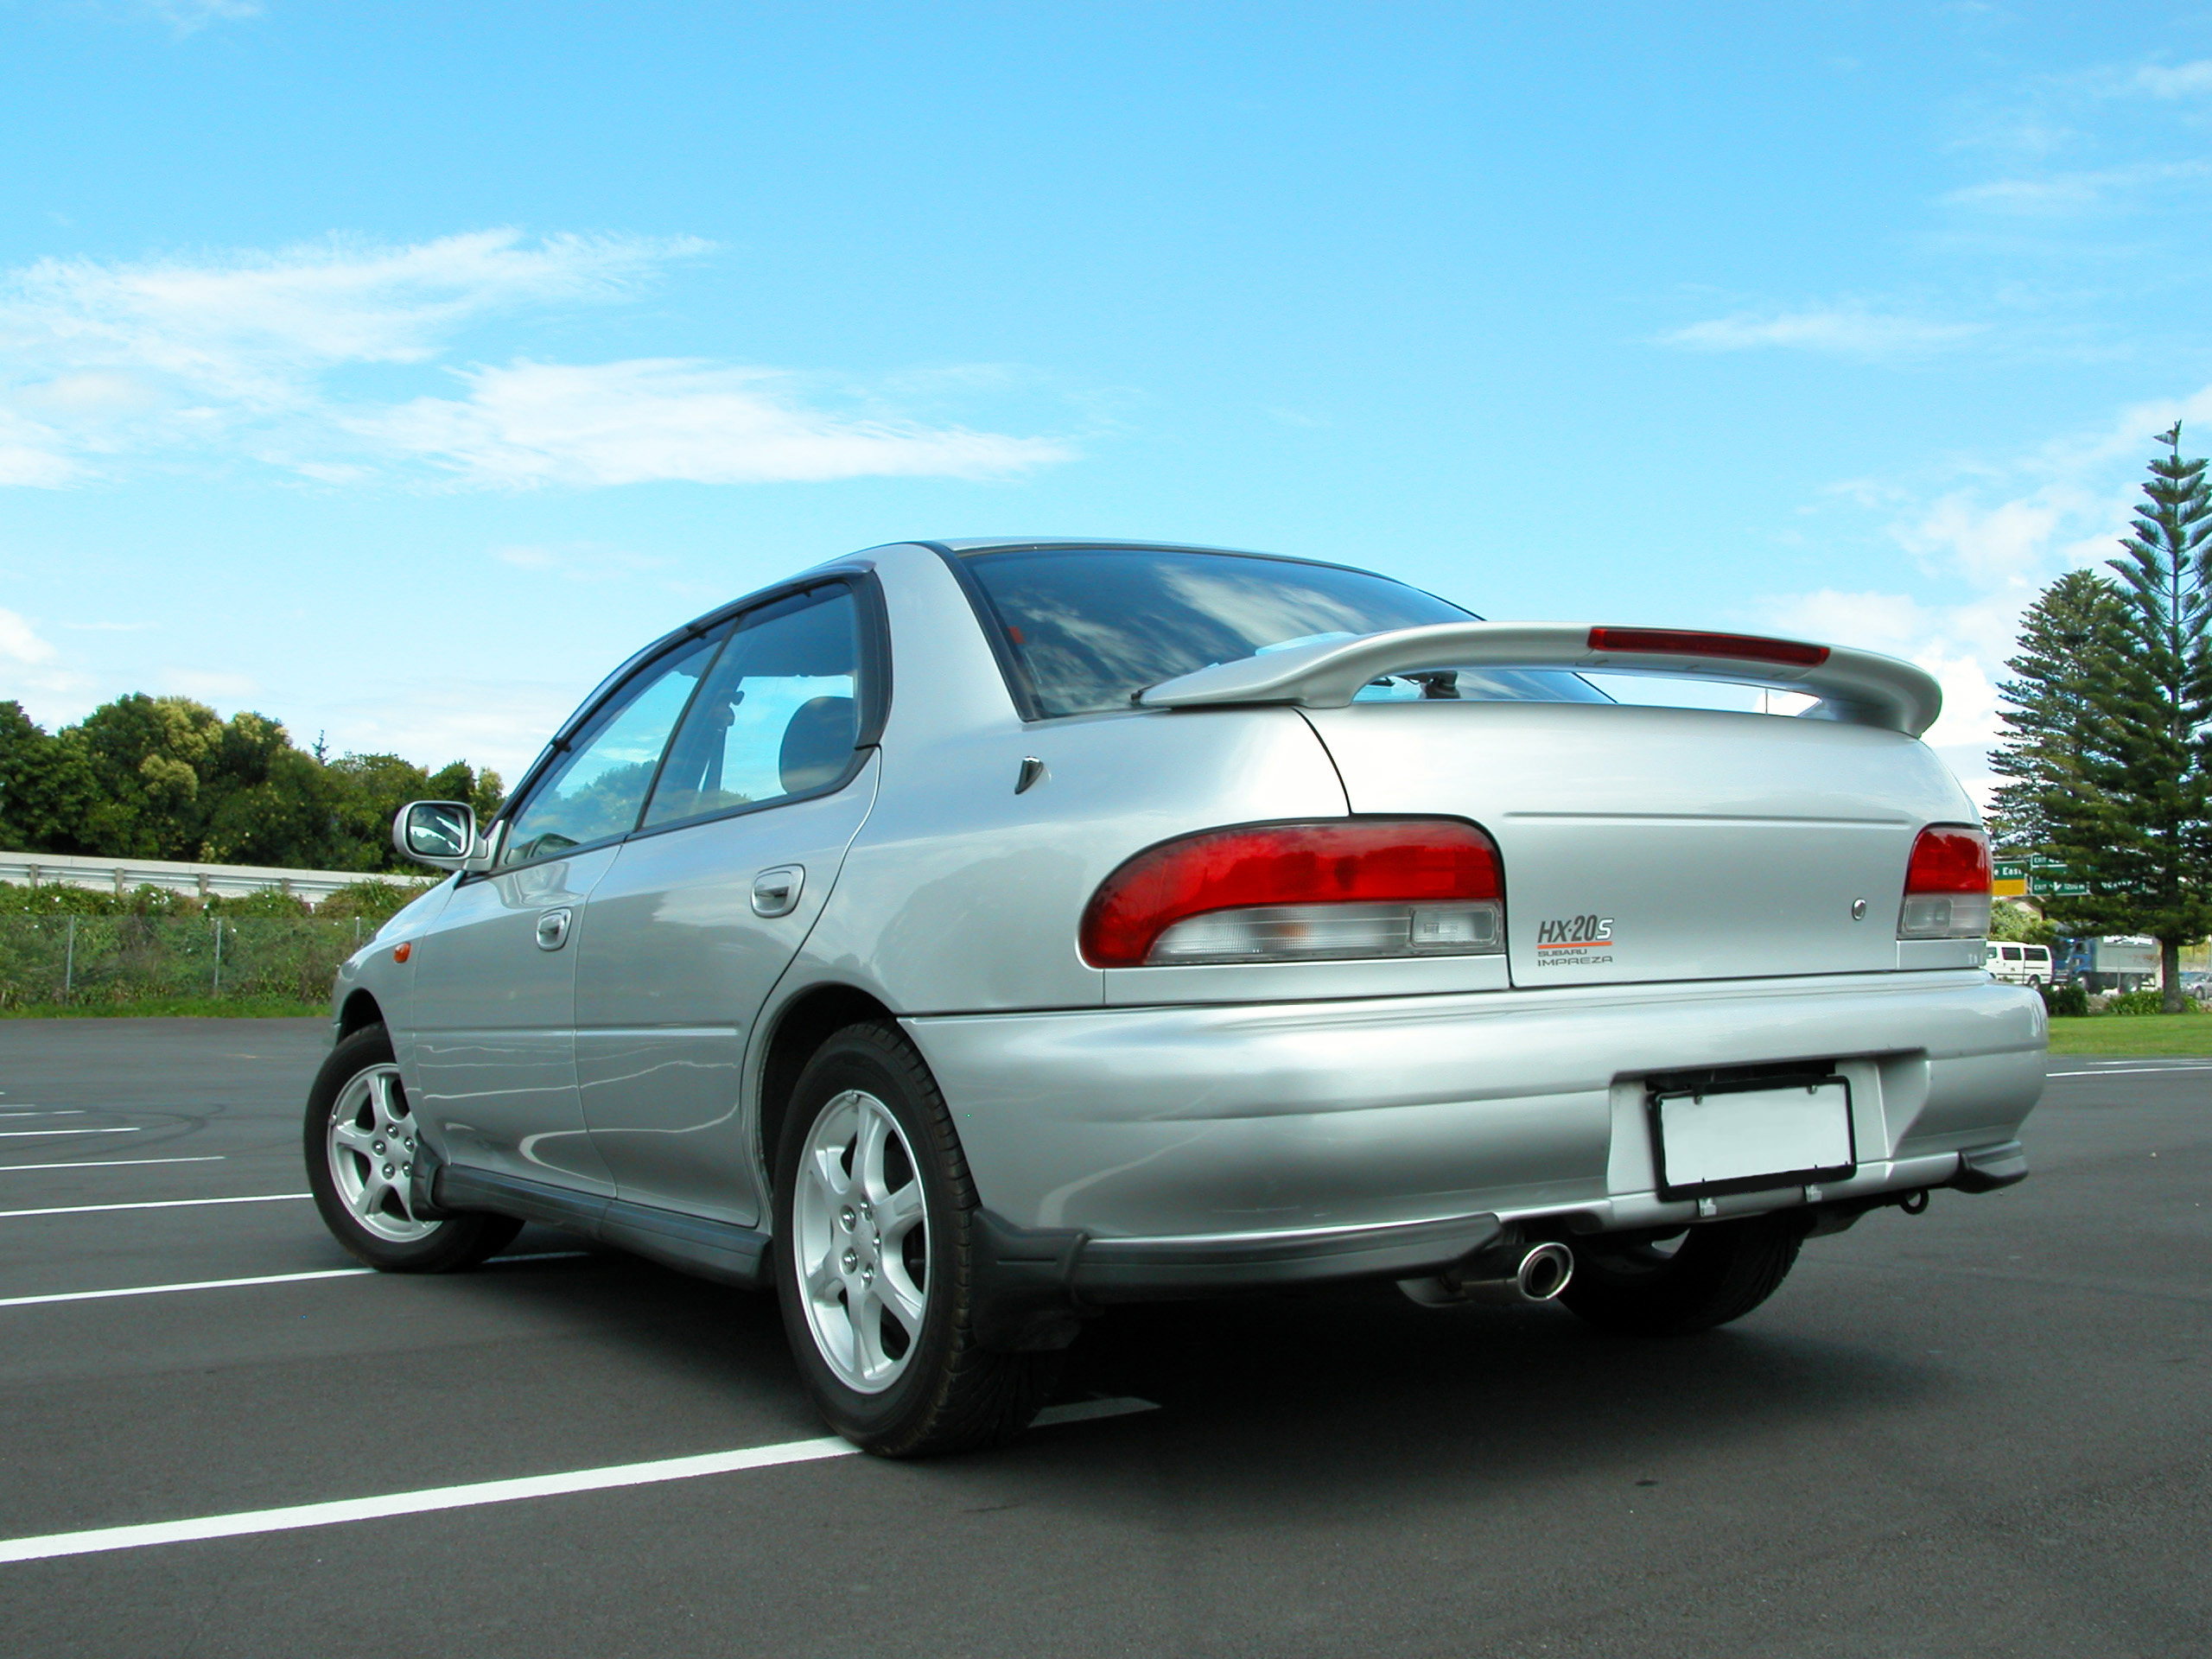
[(721, 1250)]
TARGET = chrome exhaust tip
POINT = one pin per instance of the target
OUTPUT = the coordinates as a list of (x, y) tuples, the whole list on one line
[(1544, 1272), (1512, 1274)]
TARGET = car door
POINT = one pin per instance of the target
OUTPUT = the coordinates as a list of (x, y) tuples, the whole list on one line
[(767, 781), (494, 1049)]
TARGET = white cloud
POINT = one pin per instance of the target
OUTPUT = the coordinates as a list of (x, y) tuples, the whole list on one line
[(256, 325), (661, 419), (498, 724), (1843, 331), (2179, 80), (1997, 542), (233, 355), (208, 685), (2056, 195), (19, 643), (189, 16)]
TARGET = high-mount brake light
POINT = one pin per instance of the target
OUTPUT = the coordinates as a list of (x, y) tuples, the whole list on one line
[(1947, 884), (1331, 890), (1683, 642)]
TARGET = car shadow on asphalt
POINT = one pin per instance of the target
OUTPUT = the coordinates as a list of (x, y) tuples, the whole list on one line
[(1363, 1388), (1356, 1385)]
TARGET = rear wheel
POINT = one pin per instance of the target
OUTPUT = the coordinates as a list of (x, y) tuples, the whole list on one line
[(874, 1220), (361, 1143), (1645, 1285)]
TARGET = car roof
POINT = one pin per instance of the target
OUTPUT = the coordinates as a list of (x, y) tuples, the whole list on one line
[(1045, 543)]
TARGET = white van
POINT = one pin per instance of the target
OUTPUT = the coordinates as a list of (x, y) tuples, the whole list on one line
[(2018, 964)]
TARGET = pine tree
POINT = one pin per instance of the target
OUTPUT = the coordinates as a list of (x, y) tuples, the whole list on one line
[(2070, 641), (2126, 799)]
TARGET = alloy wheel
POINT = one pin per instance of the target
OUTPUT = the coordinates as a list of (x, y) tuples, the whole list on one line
[(861, 1234), (371, 1149)]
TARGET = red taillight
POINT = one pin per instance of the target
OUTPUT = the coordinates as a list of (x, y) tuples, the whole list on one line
[(1947, 884), (1949, 858), (1344, 887), (1682, 642)]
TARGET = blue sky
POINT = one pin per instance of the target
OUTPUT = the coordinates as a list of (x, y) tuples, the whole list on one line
[(397, 369)]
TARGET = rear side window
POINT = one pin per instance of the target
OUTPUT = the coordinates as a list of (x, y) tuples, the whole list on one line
[(1087, 628), (776, 716)]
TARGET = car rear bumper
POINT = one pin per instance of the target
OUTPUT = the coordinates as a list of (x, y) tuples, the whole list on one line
[(1197, 1136)]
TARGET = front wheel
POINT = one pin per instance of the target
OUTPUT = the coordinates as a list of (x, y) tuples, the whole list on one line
[(1645, 1286), (362, 1142), (875, 1225)]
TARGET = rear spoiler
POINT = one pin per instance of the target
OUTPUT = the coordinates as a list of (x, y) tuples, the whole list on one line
[(1858, 686)]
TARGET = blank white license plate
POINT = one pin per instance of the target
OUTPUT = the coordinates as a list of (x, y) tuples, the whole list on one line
[(1747, 1138)]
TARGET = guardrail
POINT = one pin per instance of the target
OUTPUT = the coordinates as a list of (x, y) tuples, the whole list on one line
[(122, 876)]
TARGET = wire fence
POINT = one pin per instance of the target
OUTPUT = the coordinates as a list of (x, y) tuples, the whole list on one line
[(88, 961)]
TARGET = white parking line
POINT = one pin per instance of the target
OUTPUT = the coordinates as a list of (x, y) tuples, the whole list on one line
[(22, 1135), (2127, 1070), (197, 1284), (235, 1284), (249, 1522), (46, 1111), (114, 1163), (153, 1204)]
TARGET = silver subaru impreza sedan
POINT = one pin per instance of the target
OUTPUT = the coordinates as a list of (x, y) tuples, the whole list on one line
[(964, 936)]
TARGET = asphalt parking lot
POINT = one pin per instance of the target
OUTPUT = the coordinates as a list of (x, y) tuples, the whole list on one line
[(1980, 1431)]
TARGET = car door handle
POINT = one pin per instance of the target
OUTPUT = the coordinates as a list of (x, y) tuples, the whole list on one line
[(553, 929), (775, 893)]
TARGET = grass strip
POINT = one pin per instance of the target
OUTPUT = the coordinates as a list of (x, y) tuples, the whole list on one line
[(2150, 1034), (267, 1007)]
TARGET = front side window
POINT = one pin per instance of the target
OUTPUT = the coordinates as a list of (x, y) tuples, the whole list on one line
[(594, 791), (1089, 627), (776, 716)]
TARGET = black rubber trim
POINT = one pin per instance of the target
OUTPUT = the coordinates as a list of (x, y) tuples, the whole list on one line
[(459, 1188), (721, 1250), (1985, 1169), (1032, 1287), (1122, 1269)]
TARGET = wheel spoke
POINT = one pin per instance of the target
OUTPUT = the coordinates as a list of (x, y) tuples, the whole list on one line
[(823, 1279), (876, 1130), (353, 1138), (866, 1309), (370, 1200), (901, 1298), (827, 1167), (897, 1212), (380, 1084)]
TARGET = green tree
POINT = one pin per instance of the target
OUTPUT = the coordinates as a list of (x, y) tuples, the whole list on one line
[(45, 787), (2071, 641), (146, 755), (2126, 799), (168, 778)]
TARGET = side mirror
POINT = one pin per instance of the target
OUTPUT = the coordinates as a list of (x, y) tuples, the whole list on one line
[(442, 833)]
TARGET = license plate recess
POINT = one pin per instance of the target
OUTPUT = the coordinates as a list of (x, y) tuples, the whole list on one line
[(1744, 1135)]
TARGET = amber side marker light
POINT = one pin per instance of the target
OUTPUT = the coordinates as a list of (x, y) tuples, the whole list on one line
[(401, 952)]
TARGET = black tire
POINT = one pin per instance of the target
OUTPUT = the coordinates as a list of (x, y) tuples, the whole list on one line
[(1634, 1285), (949, 1394), (446, 1246)]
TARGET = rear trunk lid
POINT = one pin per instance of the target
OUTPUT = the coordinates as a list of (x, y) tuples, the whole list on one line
[(1646, 843)]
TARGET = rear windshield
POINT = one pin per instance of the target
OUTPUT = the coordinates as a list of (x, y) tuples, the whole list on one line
[(1088, 629)]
